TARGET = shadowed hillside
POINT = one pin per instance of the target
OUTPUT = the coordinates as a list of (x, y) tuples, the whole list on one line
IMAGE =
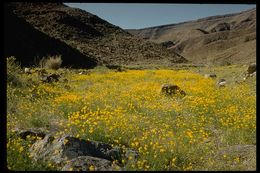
[(26, 43), (90, 35), (218, 39)]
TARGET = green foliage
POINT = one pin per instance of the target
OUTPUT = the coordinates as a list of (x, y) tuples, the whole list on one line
[(13, 70), (18, 158)]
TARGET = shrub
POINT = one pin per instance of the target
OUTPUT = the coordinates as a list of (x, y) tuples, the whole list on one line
[(52, 62), (13, 70)]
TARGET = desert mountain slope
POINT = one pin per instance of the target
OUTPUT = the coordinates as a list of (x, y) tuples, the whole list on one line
[(217, 39), (27, 43), (92, 36)]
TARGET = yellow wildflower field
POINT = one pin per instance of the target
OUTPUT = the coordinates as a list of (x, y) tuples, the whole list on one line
[(126, 109)]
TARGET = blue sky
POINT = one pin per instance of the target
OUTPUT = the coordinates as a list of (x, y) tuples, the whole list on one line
[(135, 16)]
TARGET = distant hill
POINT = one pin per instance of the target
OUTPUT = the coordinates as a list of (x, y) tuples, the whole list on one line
[(87, 34), (219, 39)]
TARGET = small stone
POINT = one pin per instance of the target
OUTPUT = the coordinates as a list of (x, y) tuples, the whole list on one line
[(27, 70), (221, 83)]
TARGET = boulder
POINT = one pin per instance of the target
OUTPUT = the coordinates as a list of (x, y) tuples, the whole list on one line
[(70, 153), (251, 68), (66, 147), (169, 90), (88, 163)]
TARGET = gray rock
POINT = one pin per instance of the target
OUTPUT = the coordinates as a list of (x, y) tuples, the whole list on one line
[(88, 163), (67, 147), (70, 153), (251, 68)]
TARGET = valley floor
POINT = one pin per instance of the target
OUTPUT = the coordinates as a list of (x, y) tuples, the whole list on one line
[(210, 128)]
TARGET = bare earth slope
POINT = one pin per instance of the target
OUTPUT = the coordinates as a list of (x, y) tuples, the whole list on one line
[(92, 36), (217, 39)]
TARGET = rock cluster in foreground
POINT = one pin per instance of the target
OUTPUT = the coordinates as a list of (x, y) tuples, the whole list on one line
[(70, 153)]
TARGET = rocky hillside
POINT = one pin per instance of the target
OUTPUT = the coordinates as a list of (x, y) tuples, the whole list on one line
[(28, 44), (221, 39), (92, 36)]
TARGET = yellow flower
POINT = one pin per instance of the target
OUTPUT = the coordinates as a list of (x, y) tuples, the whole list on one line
[(21, 149), (66, 141), (91, 168), (162, 150)]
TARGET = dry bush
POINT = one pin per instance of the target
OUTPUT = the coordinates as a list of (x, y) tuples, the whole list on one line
[(52, 62)]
